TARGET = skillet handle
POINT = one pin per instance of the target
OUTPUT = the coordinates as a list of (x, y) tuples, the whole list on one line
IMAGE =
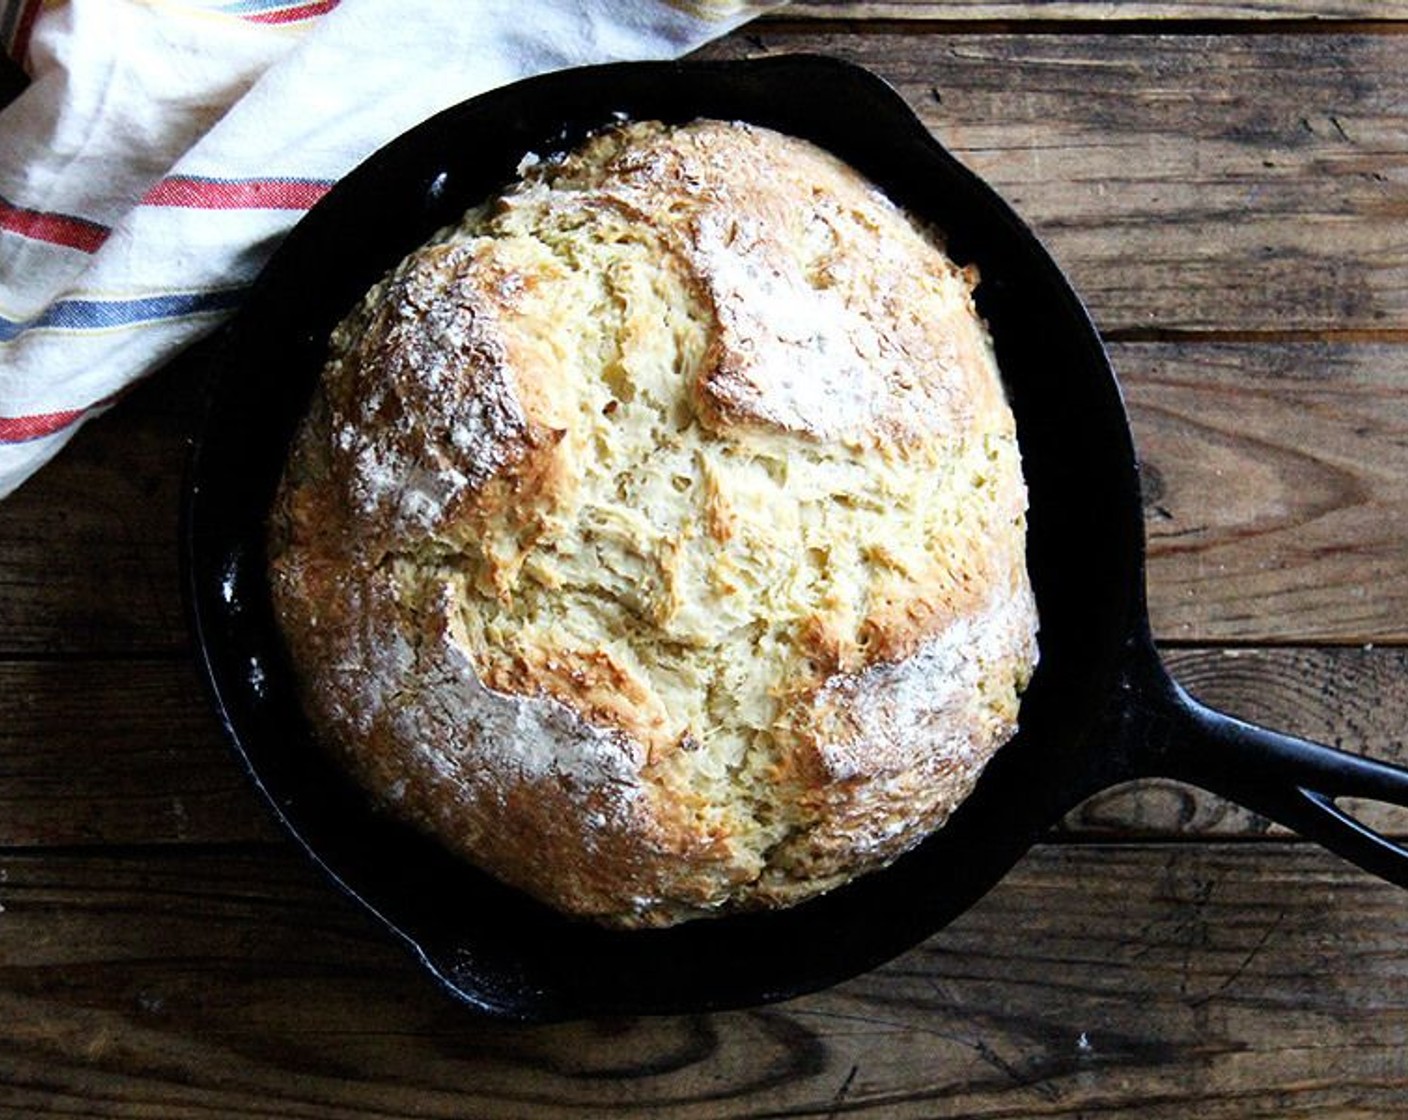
[(1290, 780)]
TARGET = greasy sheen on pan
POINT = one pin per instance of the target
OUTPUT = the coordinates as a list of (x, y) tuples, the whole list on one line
[(655, 538)]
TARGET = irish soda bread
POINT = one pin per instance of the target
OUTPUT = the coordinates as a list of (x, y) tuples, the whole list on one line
[(656, 535)]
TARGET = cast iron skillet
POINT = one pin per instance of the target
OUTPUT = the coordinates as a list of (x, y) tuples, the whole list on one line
[(1101, 709)]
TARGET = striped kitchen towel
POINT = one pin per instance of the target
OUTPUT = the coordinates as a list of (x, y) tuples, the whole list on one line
[(162, 148)]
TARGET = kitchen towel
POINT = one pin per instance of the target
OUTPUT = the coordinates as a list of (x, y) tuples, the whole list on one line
[(162, 148)]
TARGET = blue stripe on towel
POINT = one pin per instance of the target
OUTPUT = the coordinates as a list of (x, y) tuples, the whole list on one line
[(105, 314)]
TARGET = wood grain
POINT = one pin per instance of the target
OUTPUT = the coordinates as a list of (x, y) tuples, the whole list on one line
[(120, 752), (1123, 10), (1237, 981), (89, 546), (1191, 182), (1276, 489)]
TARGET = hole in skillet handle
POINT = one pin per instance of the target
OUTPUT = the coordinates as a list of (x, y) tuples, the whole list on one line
[(1167, 733), (496, 950)]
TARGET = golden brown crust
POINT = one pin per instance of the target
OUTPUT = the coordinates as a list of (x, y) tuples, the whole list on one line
[(655, 539), (594, 684)]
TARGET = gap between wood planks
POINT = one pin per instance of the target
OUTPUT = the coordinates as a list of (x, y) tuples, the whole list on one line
[(1213, 335), (788, 22)]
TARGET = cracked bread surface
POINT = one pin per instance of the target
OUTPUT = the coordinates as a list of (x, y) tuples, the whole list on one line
[(655, 538)]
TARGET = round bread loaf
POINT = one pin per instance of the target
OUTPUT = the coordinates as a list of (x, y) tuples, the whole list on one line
[(656, 535)]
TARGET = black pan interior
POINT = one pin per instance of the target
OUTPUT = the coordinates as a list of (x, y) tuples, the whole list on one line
[(501, 953)]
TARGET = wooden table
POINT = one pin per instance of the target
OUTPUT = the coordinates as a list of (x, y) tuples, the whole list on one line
[(1227, 184)]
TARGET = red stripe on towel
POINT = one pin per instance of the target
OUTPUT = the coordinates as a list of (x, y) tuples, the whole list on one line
[(57, 229), (291, 15), (19, 429), (197, 193)]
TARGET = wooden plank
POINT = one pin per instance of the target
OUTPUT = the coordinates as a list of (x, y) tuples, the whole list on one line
[(1234, 981), (118, 752), (1191, 182), (127, 753), (1277, 489), (1122, 10), (89, 546)]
